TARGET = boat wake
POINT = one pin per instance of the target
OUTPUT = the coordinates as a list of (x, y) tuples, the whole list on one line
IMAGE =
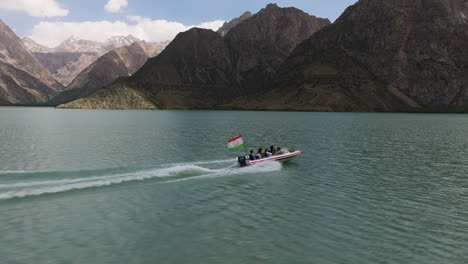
[(24, 184)]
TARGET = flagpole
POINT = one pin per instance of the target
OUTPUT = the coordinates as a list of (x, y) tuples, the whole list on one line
[(245, 149)]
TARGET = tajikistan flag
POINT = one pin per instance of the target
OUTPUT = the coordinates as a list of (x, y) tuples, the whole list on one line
[(235, 143)]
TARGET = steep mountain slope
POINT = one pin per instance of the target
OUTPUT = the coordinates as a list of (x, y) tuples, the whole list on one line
[(120, 62), (73, 55), (260, 44), (19, 87), (194, 71), (22, 71), (380, 55), (33, 46), (65, 66), (231, 24), (200, 69)]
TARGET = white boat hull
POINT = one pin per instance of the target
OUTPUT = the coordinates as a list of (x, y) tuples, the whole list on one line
[(281, 158)]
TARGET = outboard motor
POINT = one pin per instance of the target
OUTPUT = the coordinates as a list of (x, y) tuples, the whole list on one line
[(243, 161)]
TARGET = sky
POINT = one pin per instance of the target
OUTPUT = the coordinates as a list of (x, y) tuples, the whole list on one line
[(49, 22)]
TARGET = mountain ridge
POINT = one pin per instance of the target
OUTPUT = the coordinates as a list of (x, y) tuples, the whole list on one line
[(198, 68), (120, 62), (23, 80), (379, 55)]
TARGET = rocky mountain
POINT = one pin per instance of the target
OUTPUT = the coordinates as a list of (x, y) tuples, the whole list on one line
[(75, 45), (34, 46), (120, 62), (231, 24), (24, 80), (260, 44), (65, 66), (119, 41), (202, 69), (20, 87), (73, 55), (380, 55)]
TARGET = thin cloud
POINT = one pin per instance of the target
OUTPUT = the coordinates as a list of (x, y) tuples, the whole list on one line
[(52, 34), (36, 8), (115, 6)]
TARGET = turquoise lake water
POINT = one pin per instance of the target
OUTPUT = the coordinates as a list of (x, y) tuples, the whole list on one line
[(80, 186)]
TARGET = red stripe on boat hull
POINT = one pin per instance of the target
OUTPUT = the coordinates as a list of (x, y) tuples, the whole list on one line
[(278, 158)]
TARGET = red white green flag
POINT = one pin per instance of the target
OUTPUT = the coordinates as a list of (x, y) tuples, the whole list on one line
[(235, 143)]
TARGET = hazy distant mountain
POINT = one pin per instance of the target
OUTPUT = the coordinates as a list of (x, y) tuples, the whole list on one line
[(23, 79), (119, 41), (120, 62), (73, 55), (380, 55), (201, 69), (34, 46), (231, 24), (74, 45), (65, 66)]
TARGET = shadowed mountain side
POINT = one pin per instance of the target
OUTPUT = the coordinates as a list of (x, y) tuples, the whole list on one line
[(380, 55), (231, 24), (19, 87), (120, 62), (194, 71), (261, 43)]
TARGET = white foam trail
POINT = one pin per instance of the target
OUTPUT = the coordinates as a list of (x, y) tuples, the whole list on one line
[(268, 166), (56, 186), (158, 173), (16, 172), (234, 161)]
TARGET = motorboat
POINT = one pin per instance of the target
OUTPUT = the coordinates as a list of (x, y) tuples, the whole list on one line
[(284, 155)]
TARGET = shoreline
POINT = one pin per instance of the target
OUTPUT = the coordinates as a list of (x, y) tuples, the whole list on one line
[(405, 111)]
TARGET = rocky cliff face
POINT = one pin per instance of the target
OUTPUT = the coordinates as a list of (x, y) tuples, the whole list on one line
[(65, 66), (231, 24), (73, 55), (19, 87), (194, 71), (259, 45), (200, 69), (120, 62), (380, 55), (21, 72)]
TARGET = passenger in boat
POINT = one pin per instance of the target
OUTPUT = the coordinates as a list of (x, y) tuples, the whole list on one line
[(278, 151), (251, 155), (268, 153), (259, 153), (272, 150), (264, 153)]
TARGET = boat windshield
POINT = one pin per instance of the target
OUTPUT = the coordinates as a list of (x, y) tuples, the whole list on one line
[(282, 151)]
